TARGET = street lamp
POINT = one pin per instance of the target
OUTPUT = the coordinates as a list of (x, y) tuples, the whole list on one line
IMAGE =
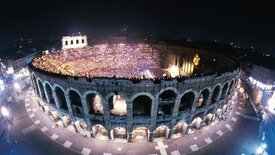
[(5, 112)]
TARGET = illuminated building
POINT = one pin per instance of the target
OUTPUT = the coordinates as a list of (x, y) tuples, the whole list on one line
[(118, 92)]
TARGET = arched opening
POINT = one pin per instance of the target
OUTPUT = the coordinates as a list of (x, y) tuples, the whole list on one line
[(230, 87), (161, 132), (218, 113), (224, 89), (100, 132), (208, 118), (72, 42), (35, 85), (179, 129), (142, 105), (94, 103), (117, 105), (66, 120), (41, 88), (215, 94), (202, 101), (49, 94), (166, 103), (61, 98), (119, 133), (81, 127), (66, 42), (55, 117), (75, 102), (186, 102), (140, 134), (196, 123), (77, 41), (82, 41)]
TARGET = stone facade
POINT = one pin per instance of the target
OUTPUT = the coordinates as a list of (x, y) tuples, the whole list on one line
[(180, 95)]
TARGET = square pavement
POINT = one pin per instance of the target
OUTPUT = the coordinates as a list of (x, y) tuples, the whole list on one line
[(219, 132), (194, 147), (208, 140), (177, 152), (86, 151), (67, 144), (54, 137)]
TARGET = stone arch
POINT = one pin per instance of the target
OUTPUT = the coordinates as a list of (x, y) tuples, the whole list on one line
[(167, 100), (82, 41), (77, 41), (203, 98), (187, 101), (82, 127), (75, 99), (117, 104), (35, 84), (231, 85), (100, 132), (224, 91), (209, 118), (140, 133), (49, 93), (60, 97), (161, 132), (216, 93), (142, 105), (41, 88), (119, 133), (66, 42), (94, 102), (196, 122), (72, 42), (180, 128)]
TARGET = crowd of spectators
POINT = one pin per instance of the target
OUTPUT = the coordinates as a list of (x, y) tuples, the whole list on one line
[(116, 60)]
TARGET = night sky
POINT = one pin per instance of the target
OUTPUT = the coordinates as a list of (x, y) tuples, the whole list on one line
[(244, 22)]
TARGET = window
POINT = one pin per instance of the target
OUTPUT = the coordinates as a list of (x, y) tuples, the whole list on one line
[(72, 42)]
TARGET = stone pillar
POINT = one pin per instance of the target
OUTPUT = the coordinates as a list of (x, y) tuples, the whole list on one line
[(209, 99), (57, 104), (84, 106), (176, 107), (68, 102), (46, 95), (129, 114), (151, 136), (39, 90), (75, 127), (170, 133), (194, 104), (154, 110), (186, 130), (130, 138)]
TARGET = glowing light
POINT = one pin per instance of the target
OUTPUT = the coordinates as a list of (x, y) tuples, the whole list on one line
[(196, 59), (260, 84), (5, 112), (260, 150), (10, 70), (271, 105), (174, 71), (16, 86)]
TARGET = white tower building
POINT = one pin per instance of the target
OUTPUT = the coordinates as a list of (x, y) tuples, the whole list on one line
[(74, 41)]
